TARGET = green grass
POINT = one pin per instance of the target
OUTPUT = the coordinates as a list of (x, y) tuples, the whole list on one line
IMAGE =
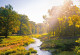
[(32, 50), (17, 51), (60, 46), (66, 53), (13, 40), (14, 45), (38, 35)]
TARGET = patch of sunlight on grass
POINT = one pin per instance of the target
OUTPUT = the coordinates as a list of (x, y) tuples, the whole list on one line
[(38, 35), (17, 51), (14, 45), (13, 40)]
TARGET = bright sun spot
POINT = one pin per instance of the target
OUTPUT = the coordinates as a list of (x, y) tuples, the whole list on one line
[(36, 10)]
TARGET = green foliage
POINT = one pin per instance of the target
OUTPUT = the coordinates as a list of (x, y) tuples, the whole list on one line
[(60, 46), (32, 50), (8, 20), (65, 22), (39, 28), (13, 23), (77, 48), (64, 29), (66, 53), (24, 25)]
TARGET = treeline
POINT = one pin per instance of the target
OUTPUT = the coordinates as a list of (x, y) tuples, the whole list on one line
[(64, 29), (13, 23), (64, 20)]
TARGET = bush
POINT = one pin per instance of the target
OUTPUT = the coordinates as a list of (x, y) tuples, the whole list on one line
[(32, 50)]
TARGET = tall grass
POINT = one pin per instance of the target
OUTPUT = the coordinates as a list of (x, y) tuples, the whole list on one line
[(14, 45)]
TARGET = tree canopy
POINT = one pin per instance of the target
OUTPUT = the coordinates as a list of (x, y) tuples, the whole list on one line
[(13, 23), (64, 20)]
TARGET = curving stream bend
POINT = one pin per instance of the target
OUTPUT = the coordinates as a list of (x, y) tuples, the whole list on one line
[(36, 46)]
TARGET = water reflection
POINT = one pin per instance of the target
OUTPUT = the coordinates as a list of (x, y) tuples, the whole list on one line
[(36, 46)]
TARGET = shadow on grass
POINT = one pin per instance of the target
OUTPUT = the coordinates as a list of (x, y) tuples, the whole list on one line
[(1, 37)]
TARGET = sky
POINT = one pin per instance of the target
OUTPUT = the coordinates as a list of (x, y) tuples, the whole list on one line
[(34, 9)]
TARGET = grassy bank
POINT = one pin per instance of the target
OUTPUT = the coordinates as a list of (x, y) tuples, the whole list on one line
[(14, 45), (60, 46)]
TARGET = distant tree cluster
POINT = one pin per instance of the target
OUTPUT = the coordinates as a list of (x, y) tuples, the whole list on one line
[(64, 20), (13, 23)]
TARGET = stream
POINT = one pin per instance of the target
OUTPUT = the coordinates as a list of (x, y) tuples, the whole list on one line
[(36, 45)]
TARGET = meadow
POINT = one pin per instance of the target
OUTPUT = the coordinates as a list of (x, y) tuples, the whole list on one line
[(14, 45), (59, 46)]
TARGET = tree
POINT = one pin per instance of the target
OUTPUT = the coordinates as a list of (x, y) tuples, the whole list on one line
[(59, 22), (8, 20), (32, 27), (24, 25)]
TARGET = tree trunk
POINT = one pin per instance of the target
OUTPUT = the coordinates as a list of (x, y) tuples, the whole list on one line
[(20, 28), (74, 29), (6, 30), (6, 34)]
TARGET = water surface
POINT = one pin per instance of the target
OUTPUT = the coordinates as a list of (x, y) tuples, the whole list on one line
[(36, 46)]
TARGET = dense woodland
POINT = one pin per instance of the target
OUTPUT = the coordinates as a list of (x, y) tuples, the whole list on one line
[(64, 20), (64, 29), (12, 23)]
